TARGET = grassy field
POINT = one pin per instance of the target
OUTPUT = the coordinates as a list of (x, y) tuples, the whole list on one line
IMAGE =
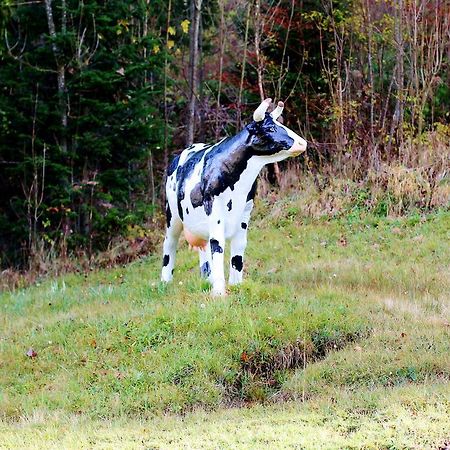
[(338, 338)]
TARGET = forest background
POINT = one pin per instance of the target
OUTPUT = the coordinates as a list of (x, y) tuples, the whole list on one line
[(95, 97)]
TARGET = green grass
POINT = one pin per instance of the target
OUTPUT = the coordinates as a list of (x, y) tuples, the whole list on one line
[(338, 338)]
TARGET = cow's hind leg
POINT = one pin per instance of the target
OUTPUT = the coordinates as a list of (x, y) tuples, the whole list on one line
[(169, 248), (205, 262), (217, 247)]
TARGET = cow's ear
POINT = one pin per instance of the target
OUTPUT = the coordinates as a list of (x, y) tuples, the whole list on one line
[(260, 111)]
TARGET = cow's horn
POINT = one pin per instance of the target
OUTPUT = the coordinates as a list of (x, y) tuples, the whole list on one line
[(277, 111), (260, 111)]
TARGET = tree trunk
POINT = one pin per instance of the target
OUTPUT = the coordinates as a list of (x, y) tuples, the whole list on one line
[(144, 35), (196, 7), (286, 39), (259, 62), (373, 147), (221, 53), (244, 60), (60, 69), (166, 112), (397, 118)]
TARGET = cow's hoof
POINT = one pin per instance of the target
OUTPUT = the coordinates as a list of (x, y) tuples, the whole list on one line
[(219, 292)]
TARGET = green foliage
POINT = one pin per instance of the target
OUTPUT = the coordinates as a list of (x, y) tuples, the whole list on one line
[(113, 124)]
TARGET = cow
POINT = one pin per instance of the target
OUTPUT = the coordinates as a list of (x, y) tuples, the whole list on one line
[(210, 191)]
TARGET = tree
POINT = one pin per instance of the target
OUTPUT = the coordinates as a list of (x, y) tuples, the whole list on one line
[(93, 111), (194, 35)]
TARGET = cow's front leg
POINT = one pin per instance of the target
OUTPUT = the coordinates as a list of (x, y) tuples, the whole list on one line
[(169, 249), (217, 246), (238, 245)]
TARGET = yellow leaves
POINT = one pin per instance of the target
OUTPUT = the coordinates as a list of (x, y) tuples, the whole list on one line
[(122, 24), (442, 129), (171, 31), (171, 43), (136, 231), (185, 25)]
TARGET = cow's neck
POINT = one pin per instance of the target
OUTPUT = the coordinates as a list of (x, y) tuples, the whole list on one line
[(240, 157), (240, 150), (231, 164)]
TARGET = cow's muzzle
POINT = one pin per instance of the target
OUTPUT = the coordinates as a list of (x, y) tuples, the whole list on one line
[(298, 147)]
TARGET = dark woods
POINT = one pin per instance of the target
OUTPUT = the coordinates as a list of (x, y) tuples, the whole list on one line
[(96, 96)]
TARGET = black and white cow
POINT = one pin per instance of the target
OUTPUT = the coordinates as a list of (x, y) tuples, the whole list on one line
[(210, 190)]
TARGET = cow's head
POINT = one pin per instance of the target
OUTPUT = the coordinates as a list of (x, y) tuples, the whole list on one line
[(269, 137)]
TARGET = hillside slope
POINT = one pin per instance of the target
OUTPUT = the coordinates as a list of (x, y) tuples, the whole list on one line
[(348, 320)]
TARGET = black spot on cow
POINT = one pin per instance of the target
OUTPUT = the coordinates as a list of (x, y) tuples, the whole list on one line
[(218, 222), (229, 205), (168, 214), (223, 167), (187, 210), (215, 247), (183, 173), (173, 165), (166, 260), (173, 271), (243, 225), (205, 270), (252, 192), (236, 263), (226, 161), (208, 201), (196, 196)]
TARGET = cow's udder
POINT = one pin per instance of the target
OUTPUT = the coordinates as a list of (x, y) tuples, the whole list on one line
[(193, 240)]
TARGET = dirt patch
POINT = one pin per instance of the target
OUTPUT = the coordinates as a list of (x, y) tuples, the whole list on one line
[(262, 372)]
